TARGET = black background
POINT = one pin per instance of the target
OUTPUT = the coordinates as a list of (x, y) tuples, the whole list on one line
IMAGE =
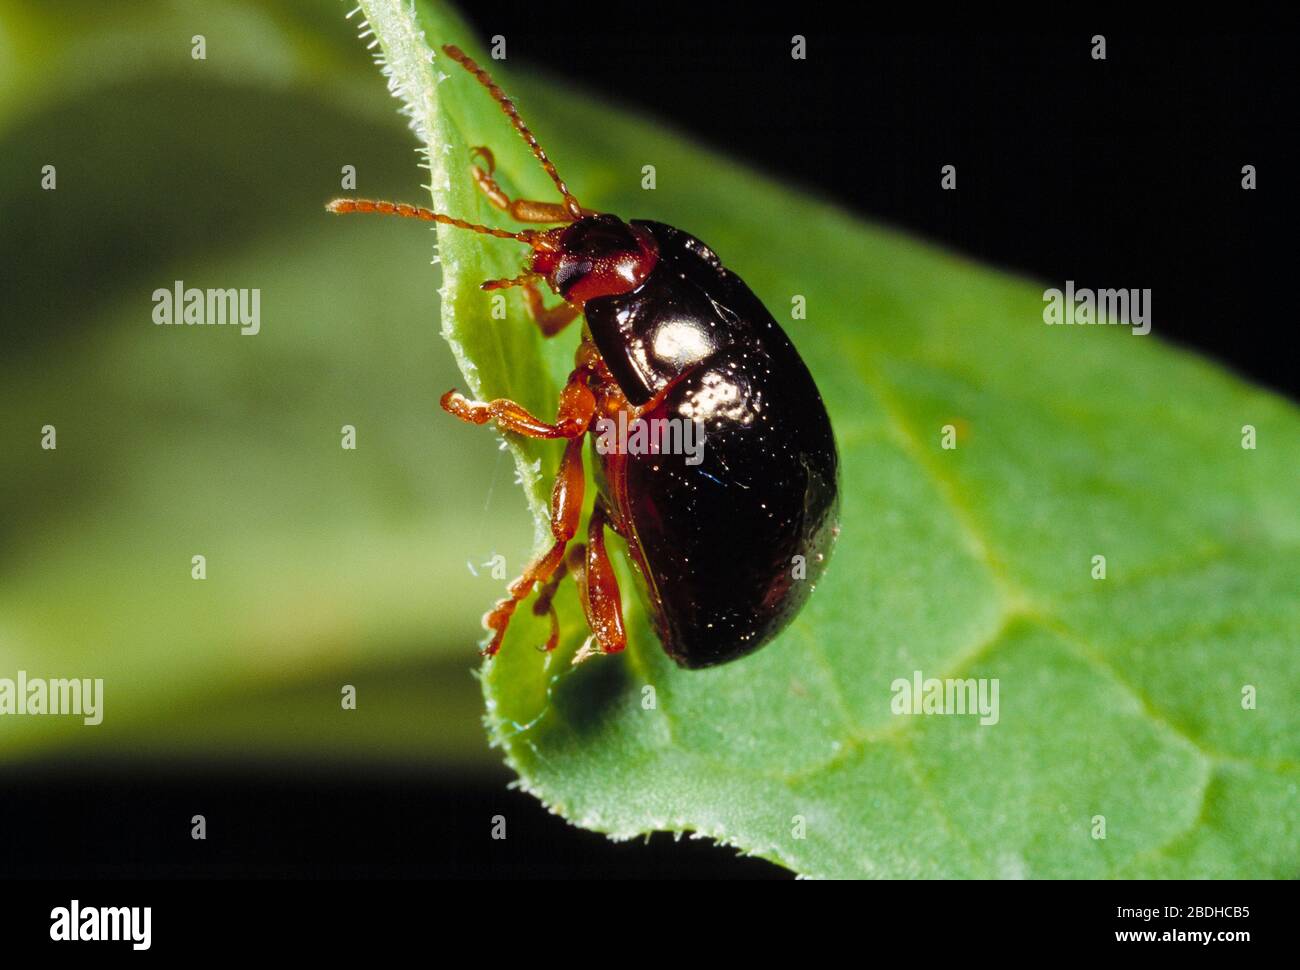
[(1120, 173)]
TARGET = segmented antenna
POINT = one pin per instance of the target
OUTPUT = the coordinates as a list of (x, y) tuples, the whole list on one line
[(527, 236), (508, 106)]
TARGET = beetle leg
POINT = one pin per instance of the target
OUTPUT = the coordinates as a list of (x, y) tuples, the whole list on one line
[(544, 606), (599, 590), (521, 210), (577, 407), (566, 508), (550, 320)]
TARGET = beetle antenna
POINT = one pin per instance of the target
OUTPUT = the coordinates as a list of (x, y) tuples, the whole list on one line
[(508, 106), (340, 206)]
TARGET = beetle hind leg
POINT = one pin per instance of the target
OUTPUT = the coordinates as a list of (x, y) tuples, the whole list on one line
[(598, 589)]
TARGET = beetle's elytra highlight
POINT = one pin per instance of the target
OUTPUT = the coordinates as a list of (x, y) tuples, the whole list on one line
[(727, 548)]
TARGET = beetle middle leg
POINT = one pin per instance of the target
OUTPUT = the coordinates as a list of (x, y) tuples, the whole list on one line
[(544, 605), (566, 509), (577, 407)]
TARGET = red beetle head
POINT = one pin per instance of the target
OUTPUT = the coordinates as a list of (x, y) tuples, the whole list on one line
[(599, 255)]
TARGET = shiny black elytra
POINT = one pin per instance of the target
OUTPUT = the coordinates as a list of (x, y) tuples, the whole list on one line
[(728, 548)]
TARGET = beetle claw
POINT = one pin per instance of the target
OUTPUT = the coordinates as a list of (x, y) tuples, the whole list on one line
[(485, 153)]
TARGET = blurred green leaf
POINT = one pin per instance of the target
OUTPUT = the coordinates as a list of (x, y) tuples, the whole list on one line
[(1119, 697), (325, 567)]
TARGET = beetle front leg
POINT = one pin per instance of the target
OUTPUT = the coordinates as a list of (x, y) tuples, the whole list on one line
[(599, 591), (521, 210), (549, 320), (566, 508)]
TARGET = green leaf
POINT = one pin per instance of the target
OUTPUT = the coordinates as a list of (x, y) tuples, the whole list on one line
[(1119, 698)]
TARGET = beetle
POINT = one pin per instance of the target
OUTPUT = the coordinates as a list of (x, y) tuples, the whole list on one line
[(727, 549)]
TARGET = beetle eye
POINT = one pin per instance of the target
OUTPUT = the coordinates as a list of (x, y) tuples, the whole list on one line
[(570, 272)]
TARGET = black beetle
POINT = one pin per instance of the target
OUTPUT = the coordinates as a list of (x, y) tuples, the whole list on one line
[(729, 541)]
